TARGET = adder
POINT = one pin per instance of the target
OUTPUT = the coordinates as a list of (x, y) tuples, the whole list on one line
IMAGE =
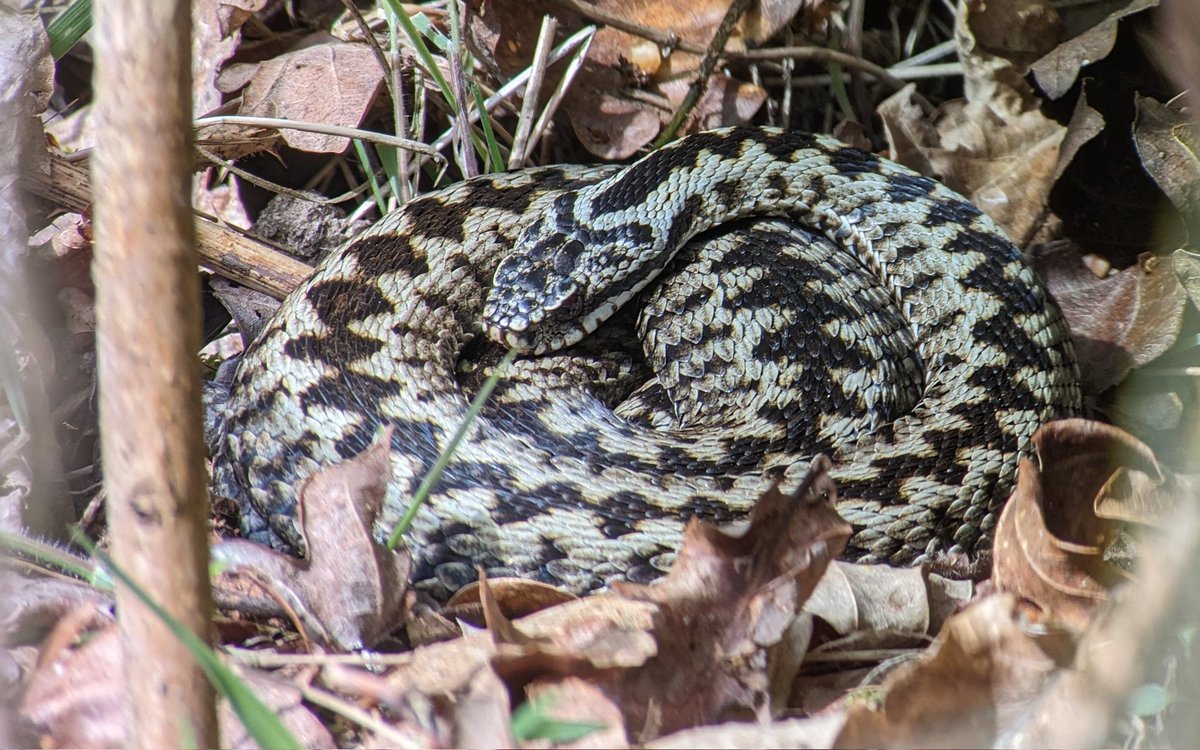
[(785, 295)]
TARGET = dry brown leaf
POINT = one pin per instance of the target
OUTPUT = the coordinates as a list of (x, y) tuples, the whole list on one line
[(1052, 535), (819, 731), (871, 597), (1079, 708), (725, 602), (216, 34), (1086, 123), (1180, 27), (37, 603), (350, 590), (994, 146), (78, 699), (482, 716), (516, 597), (1187, 268), (1056, 72), (971, 688), (608, 122), (1115, 470), (1168, 144), (1123, 321), (1020, 31), (1029, 561), (332, 82)]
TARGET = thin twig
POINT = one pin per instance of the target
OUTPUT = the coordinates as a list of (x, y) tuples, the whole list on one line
[(279, 189), (700, 83), (936, 52), (938, 70), (320, 127), (820, 54), (507, 90), (383, 731), (560, 91), (541, 54), (789, 68), (466, 153), (400, 121), (273, 659), (669, 40)]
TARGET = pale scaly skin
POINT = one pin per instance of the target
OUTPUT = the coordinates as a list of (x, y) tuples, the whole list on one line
[(550, 483)]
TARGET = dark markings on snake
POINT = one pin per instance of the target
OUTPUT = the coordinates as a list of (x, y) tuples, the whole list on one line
[(851, 161), (340, 301), (355, 441), (616, 529), (781, 148), (1013, 291), (955, 213), (391, 253), (907, 188), (684, 220)]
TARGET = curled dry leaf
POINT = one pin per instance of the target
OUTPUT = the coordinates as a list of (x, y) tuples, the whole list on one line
[(1052, 535), (972, 687), (1066, 581), (350, 590), (1119, 322), (609, 122), (332, 83), (1115, 470), (515, 597)]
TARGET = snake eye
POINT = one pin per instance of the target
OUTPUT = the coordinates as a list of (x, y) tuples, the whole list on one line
[(566, 259), (570, 302)]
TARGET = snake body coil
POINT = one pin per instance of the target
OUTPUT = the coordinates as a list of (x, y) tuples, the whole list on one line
[(878, 317)]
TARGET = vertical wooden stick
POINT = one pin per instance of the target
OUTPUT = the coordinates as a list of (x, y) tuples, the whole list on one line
[(148, 321)]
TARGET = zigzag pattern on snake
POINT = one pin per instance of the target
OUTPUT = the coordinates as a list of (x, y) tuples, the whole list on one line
[(792, 296)]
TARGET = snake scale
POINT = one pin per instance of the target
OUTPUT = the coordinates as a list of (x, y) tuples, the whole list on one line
[(786, 295)]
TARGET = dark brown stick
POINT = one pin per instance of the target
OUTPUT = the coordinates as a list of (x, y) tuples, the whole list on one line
[(148, 333)]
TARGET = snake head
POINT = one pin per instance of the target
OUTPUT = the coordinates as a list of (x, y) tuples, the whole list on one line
[(536, 304)]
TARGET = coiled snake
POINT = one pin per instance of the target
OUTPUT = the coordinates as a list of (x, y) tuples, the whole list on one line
[(815, 298)]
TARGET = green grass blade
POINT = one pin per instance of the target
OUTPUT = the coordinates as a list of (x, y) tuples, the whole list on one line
[(489, 137), (52, 556), (530, 722), (369, 171), (443, 461), (68, 27), (418, 43)]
